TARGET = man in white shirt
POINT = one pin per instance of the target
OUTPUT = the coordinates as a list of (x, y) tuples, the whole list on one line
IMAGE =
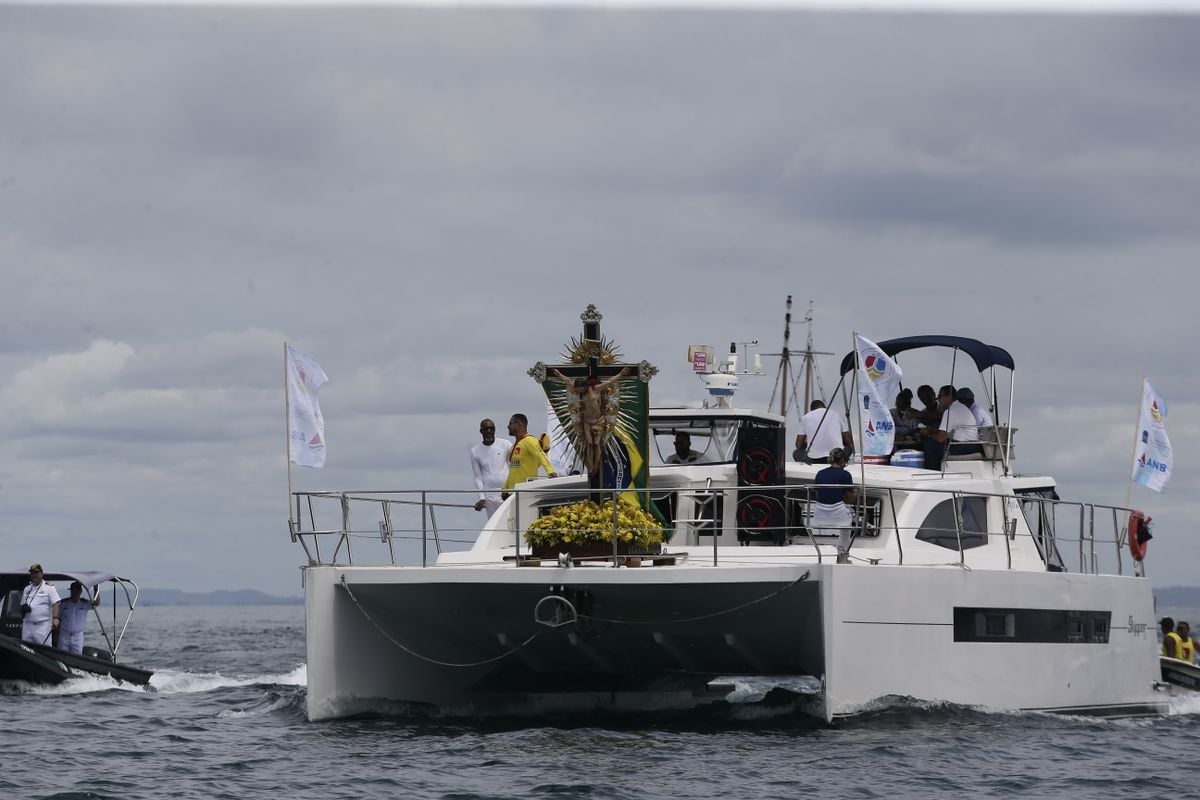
[(74, 615), (957, 433), (821, 430), (967, 398), (489, 462), (39, 606)]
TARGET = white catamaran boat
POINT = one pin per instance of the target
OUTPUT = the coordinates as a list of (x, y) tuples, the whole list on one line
[(971, 585)]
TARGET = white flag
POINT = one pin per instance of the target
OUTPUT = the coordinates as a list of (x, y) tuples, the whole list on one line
[(306, 426), (1152, 456), (878, 377)]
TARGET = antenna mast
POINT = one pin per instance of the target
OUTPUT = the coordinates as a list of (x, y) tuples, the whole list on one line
[(810, 363), (786, 359)]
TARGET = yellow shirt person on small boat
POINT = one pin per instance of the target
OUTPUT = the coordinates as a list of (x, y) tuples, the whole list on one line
[(526, 456)]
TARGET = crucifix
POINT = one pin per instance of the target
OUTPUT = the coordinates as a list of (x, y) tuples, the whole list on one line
[(605, 403)]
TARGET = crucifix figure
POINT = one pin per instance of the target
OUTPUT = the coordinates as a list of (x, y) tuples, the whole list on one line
[(594, 413), (589, 392)]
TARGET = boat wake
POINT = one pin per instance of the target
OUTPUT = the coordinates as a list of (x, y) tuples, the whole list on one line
[(163, 682), (1185, 704), (172, 682)]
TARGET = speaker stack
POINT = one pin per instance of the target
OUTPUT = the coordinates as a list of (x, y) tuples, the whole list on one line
[(761, 514)]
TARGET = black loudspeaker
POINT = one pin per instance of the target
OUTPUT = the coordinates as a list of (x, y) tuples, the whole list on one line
[(761, 515), (760, 455)]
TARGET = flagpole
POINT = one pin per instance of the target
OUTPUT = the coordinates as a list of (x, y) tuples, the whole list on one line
[(862, 442), (287, 433), (1133, 453)]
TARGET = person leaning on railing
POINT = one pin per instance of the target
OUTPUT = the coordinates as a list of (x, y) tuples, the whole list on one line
[(830, 514)]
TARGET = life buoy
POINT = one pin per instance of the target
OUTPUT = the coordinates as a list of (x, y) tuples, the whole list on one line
[(1139, 534)]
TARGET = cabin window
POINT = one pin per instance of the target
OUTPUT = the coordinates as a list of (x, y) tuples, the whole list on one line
[(1038, 506), (995, 625), (940, 527)]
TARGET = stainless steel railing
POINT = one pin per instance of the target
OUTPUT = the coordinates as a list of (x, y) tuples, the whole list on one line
[(407, 524)]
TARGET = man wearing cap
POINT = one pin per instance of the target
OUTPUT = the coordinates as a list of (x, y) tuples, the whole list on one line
[(74, 619), (40, 605)]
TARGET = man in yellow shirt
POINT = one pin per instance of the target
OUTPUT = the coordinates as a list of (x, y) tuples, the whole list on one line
[(526, 456)]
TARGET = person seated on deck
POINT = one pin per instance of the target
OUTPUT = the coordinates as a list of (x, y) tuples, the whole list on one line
[(928, 413), (967, 398), (904, 417), (684, 454), (1187, 645), (956, 435), (822, 430), (1170, 641)]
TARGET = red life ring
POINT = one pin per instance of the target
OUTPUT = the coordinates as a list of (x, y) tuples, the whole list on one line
[(1139, 534)]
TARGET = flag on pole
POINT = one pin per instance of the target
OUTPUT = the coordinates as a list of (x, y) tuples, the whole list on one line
[(1152, 454), (306, 426), (878, 377)]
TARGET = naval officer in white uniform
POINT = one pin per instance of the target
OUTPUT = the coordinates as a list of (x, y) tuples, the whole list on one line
[(39, 605), (74, 615)]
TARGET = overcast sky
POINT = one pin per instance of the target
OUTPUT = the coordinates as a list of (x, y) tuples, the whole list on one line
[(424, 200)]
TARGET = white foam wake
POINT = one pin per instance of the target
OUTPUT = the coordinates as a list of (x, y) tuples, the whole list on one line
[(164, 681), (172, 682)]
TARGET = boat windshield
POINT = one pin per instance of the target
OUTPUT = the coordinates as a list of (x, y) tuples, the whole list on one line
[(694, 441)]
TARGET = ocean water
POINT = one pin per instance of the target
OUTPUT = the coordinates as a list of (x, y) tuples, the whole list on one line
[(225, 719)]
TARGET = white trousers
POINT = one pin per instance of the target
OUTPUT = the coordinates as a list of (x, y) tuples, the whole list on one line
[(490, 506), (36, 632), (71, 641), (830, 518)]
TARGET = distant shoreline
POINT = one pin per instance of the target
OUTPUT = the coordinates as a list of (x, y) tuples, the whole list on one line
[(240, 597)]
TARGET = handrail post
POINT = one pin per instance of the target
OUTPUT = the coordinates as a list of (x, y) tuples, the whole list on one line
[(424, 534), (895, 525), (516, 496), (717, 527), (346, 527), (1007, 543), (1117, 541), (955, 498)]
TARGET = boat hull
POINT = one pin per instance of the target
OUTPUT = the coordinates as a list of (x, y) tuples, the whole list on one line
[(465, 640), (1180, 674), (37, 663), (21, 661)]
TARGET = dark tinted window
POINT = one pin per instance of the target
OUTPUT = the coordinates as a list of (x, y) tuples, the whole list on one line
[(939, 527)]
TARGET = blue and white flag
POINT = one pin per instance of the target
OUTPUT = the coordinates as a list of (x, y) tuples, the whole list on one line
[(306, 426), (878, 377), (1152, 455)]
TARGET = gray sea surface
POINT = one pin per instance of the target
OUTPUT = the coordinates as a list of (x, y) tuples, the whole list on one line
[(225, 719)]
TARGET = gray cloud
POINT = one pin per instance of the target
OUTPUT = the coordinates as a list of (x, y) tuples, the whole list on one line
[(425, 200)]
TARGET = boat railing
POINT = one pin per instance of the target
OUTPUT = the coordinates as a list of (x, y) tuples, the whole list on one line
[(415, 526), (116, 634)]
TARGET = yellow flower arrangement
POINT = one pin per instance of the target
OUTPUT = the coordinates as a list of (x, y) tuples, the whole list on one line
[(587, 521)]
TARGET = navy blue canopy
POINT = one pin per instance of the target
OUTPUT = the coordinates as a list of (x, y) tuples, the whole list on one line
[(984, 355)]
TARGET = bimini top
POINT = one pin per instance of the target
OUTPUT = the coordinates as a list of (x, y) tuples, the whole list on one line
[(984, 355), (85, 578)]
